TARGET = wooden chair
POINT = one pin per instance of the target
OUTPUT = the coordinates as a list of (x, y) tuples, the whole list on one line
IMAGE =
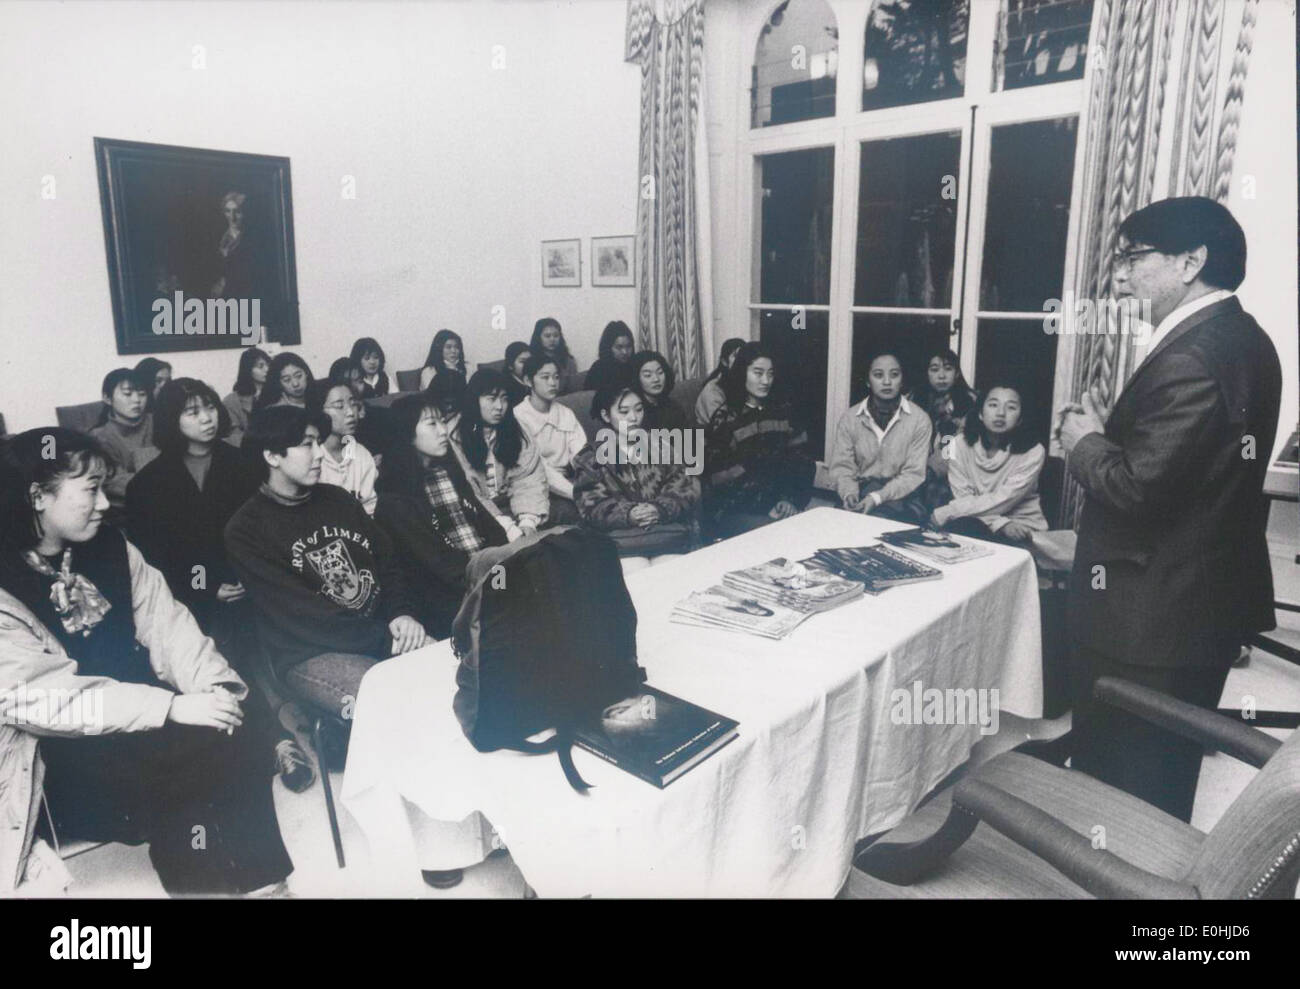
[(1019, 827)]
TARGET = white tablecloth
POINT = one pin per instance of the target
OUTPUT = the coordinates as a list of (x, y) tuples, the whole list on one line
[(818, 764)]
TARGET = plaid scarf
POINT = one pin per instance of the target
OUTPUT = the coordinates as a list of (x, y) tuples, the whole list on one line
[(449, 515), (76, 600)]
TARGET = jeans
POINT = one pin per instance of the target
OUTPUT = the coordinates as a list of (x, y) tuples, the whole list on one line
[(329, 681)]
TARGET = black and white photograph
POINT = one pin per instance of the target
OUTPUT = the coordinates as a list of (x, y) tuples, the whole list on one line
[(917, 425)]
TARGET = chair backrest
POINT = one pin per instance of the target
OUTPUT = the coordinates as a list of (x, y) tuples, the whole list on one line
[(408, 380), (686, 392), (1254, 850), (83, 418), (579, 402), (492, 365)]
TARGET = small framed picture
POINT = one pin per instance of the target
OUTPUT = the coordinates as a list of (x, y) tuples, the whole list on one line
[(612, 260), (561, 263)]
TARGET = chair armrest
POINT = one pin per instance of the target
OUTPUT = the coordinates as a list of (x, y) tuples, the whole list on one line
[(1210, 728), (1100, 872)]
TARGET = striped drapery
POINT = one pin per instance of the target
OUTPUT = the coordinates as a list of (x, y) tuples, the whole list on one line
[(1133, 43), (672, 227)]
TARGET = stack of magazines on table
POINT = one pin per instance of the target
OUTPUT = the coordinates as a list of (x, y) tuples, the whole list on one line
[(774, 598)]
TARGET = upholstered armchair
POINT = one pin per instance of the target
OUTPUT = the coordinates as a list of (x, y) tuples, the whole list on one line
[(1021, 827)]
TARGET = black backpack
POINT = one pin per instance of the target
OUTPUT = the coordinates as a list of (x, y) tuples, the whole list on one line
[(546, 635)]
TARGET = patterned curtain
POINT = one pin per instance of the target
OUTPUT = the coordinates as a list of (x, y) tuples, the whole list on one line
[(1133, 41), (674, 304)]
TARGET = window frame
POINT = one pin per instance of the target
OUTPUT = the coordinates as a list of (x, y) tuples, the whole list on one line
[(973, 115)]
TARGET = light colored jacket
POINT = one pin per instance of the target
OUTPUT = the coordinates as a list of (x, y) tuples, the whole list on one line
[(859, 454), (559, 438), (41, 693), (354, 473), (995, 487), (524, 484)]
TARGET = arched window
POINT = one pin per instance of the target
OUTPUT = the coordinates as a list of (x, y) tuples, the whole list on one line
[(795, 64), (915, 52)]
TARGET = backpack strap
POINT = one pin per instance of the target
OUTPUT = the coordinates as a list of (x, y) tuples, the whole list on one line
[(561, 743)]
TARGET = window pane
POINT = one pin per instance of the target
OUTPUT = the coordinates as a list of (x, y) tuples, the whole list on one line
[(795, 64), (796, 226), (1021, 352), (915, 52), (1031, 168), (907, 221), (1041, 41), (800, 353), (913, 339)]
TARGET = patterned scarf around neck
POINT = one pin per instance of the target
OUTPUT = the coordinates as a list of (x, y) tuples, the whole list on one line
[(77, 601)]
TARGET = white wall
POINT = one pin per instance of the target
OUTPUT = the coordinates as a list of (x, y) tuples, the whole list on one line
[(461, 170)]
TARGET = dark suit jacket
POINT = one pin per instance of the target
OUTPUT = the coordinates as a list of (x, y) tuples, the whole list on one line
[(1175, 511), (176, 526)]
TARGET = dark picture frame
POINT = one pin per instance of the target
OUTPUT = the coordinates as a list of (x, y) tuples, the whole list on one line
[(213, 226)]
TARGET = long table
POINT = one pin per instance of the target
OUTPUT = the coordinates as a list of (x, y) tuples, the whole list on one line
[(829, 748)]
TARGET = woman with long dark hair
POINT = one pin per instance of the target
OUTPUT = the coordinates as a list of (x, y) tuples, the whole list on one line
[(654, 379), (155, 373), (644, 502), (993, 470), (517, 355), (370, 358), (756, 463), (431, 512), (556, 431), (501, 461), (287, 380), (254, 365), (161, 737), (446, 356), (177, 508), (347, 463), (613, 358), (712, 397), (548, 338)]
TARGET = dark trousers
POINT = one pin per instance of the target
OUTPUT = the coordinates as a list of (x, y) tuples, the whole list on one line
[(199, 797), (1129, 753)]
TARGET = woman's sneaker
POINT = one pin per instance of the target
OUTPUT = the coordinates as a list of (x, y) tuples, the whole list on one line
[(293, 766)]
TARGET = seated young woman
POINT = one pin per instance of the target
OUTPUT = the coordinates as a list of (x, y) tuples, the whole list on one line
[(347, 463), (517, 355), (446, 356), (161, 736), (757, 466), (369, 356), (432, 515), (153, 373), (993, 472), (946, 398), (501, 461), (177, 508), (286, 382), (655, 380), (373, 424), (646, 507), (614, 358), (712, 397), (125, 433), (254, 364), (548, 338), (880, 448), (556, 432)]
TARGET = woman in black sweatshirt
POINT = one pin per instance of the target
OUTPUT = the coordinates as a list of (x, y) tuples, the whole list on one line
[(431, 514)]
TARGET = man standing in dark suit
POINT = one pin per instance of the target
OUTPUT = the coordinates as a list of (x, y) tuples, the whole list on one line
[(1172, 572)]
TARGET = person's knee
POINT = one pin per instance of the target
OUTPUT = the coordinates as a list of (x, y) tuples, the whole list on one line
[(330, 681)]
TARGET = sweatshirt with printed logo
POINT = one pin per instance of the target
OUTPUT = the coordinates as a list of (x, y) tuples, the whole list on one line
[(320, 573)]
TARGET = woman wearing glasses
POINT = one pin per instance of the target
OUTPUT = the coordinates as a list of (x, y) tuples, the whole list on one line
[(346, 464)]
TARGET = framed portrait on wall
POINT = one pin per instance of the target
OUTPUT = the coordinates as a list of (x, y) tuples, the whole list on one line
[(200, 247), (561, 263), (612, 261)]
